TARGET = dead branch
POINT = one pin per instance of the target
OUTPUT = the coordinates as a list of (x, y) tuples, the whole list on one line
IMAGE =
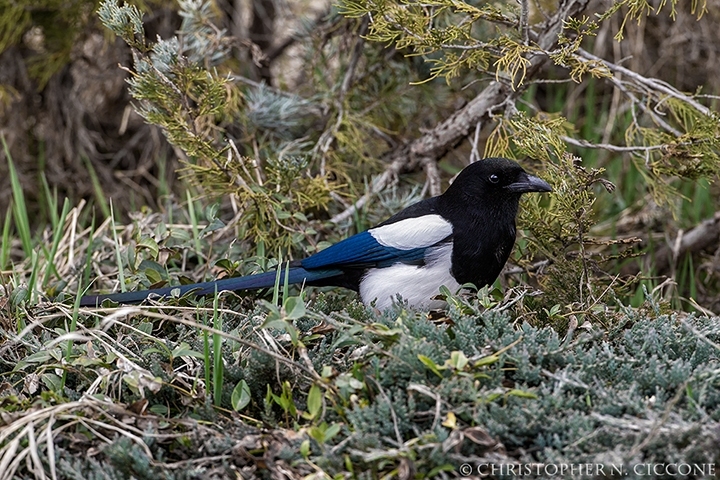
[(694, 240)]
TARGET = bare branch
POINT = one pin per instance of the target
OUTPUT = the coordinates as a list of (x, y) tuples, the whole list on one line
[(694, 240), (651, 83), (524, 27), (612, 148)]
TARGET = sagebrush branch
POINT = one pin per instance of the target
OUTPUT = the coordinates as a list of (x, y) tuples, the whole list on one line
[(434, 144)]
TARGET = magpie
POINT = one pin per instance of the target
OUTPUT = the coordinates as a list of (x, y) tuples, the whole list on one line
[(463, 236)]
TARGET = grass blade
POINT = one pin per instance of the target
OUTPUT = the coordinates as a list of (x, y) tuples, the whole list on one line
[(33, 276), (5, 246), (57, 235), (194, 224), (206, 354), (118, 255), (51, 201), (22, 221), (97, 188), (88, 256)]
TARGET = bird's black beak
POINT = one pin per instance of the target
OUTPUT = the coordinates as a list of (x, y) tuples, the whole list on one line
[(529, 183)]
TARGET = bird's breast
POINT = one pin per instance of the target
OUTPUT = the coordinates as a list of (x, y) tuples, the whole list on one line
[(418, 285), (479, 255)]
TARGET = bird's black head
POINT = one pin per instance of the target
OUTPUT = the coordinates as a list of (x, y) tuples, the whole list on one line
[(497, 178), (482, 204), (489, 189)]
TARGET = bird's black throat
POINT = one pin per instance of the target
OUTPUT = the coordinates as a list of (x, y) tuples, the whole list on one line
[(483, 238)]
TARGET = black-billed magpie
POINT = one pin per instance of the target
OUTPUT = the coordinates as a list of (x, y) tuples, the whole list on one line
[(463, 236)]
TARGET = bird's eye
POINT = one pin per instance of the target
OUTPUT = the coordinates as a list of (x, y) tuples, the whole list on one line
[(494, 178)]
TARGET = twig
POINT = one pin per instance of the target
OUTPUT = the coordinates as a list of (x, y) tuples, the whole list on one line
[(291, 39), (524, 26), (328, 136), (605, 146), (425, 390), (532, 268), (433, 176), (652, 83), (378, 184), (393, 415), (474, 152), (620, 85), (694, 240), (357, 53)]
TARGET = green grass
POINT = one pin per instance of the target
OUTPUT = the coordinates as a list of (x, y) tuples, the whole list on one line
[(118, 252), (100, 197), (5, 247), (20, 214), (50, 268)]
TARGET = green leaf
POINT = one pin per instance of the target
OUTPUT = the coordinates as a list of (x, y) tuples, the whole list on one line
[(240, 396), (274, 311), (324, 432), (85, 361), (180, 235), (52, 382), (145, 327), (282, 325), (345, 380), (300, 216), (432, 366), (226, 265), (441, 468), (515, 392), (216, 224), (184, 350), (294, 308), (19, 295), (331, 431), (314, 401), (150, 244), (488, 360), (38, 357), (159, 409), (305, 448), (153, 276), (211, 211), (385, 331), (458, 360)]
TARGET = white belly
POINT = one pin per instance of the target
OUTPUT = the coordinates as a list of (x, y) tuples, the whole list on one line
[(417, 285)]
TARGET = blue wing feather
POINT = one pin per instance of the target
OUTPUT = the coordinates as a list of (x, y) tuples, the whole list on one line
[(362, 250)]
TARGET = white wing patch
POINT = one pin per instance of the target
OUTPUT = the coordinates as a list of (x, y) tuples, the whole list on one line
[(417, 285), (418, 232)]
